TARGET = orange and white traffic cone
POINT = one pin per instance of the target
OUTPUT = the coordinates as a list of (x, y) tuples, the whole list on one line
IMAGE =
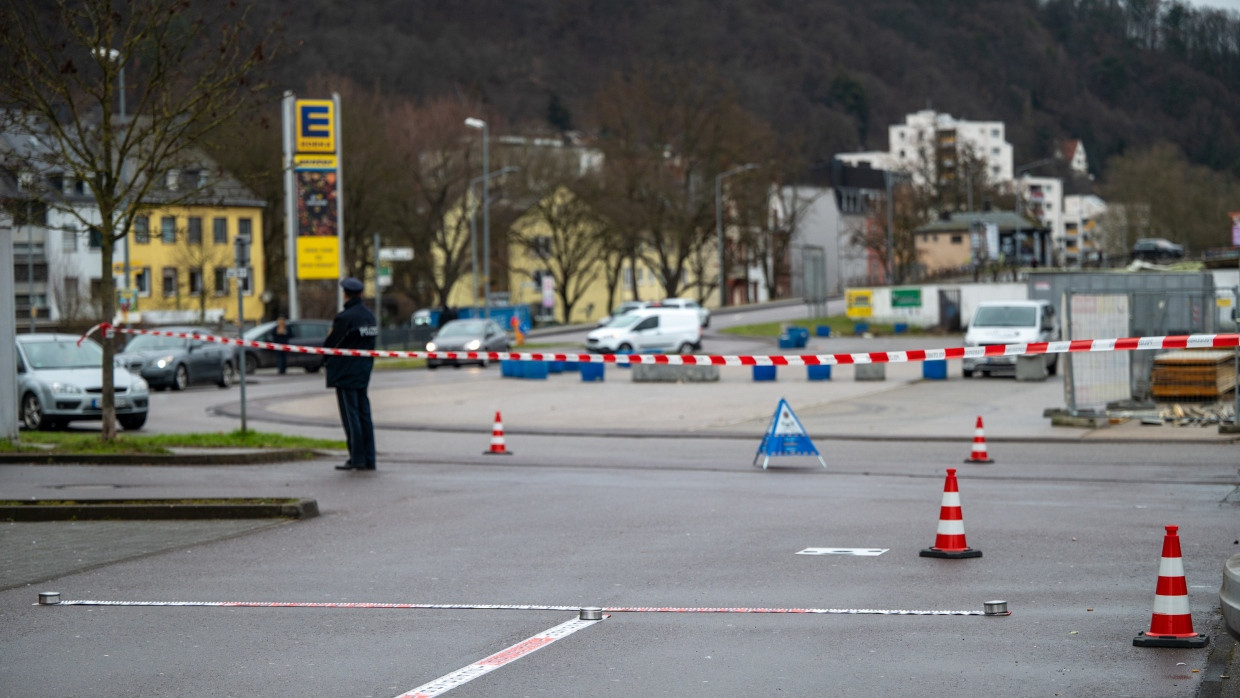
[(1172, 625), (978, 454), (949, 542), (497, 439)]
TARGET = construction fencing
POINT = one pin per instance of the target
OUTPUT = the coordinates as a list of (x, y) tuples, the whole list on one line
[(1100, 382)]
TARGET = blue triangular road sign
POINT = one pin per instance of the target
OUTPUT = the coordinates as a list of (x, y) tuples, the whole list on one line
[(785, 437)]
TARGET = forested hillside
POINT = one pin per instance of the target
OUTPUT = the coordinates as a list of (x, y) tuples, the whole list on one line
[(829, 75)]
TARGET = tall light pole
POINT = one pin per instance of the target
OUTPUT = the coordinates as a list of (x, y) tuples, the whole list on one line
[(723, 289), (114, 56), (473, 228), (473, 122)]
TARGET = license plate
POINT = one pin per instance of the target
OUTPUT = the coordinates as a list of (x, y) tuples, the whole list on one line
[(96, 404)]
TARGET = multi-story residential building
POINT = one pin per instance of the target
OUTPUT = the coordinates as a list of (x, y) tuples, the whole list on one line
[(1041, 198), (936, 147), (178, 252), (1085, 240)]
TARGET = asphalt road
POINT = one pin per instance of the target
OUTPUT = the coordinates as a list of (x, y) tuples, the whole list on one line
[(653, 505)]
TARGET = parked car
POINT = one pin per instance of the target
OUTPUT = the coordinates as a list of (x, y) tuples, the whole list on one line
[(685, 304), (646, 329), (467, 335), (302, 333), (1229, 595), (177, 363), (60, 381), (1010, 322), (1157, 250), (622, 309)]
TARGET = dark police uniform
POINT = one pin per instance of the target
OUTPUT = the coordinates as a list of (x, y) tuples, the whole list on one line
[(353, 328)]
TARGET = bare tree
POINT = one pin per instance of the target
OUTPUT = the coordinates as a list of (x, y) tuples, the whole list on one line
[(60, 68), (562, 232), (668, 130)]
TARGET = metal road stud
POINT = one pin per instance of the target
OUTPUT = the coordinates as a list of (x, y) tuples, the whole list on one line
[(997, 607), (590, 613), (49, 598)]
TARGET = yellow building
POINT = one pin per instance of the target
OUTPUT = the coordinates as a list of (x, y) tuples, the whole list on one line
[(181, 255)]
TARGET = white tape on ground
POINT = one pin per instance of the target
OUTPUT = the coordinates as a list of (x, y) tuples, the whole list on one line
[(464, 675)]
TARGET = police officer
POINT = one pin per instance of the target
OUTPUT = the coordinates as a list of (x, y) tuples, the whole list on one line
[(353, 328)]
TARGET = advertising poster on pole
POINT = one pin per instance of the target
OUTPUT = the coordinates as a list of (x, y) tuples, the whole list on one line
[(318, 247)]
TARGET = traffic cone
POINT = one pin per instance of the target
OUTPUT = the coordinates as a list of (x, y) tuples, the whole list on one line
[(497, 439), (949, 541), (1172, 625), (978, 454)]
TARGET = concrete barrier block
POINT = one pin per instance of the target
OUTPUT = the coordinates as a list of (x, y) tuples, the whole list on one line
[(870, 372), (1031, 368), (664, 373)]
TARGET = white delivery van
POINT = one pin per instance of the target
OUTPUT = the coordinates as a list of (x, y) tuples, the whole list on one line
[(648, 329), (1010, 322)]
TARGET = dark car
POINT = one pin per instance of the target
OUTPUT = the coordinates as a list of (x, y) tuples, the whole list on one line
[(302, 333), (1157, 250), (467, 335), (178, 362), (60, 380)]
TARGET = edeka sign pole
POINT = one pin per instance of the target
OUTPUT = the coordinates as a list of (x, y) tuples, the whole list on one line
[(315, 213), (290, 207)]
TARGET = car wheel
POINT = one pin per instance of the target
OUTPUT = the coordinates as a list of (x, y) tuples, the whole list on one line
[(625, 348), (966, 372), (180, 377), (251, 364), (432, 365), (32, 413), (685, 348), (315, 367), (227, 375), (1053, 368), (132, 422)]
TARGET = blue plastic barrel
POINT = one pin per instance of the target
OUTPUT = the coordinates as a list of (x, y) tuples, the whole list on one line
[(819, 373), (824, 331), (935, 369), (591, 372), (764, 373)]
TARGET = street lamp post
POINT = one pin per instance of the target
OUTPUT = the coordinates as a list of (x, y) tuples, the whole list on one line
[(473, 122), (473, 228), (723, 289), (114, 56)]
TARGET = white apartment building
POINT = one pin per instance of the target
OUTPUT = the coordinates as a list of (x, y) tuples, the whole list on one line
[(1085, 232), (932, 144)]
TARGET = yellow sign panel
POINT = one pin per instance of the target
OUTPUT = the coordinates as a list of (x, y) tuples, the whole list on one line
[(859, 303), (314, 122), (314, 162), (318, 257)]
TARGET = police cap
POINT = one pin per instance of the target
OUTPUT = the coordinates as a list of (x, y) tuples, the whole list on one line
[(352, 285)]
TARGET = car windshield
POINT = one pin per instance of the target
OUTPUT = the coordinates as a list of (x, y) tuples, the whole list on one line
[(626, 320), (63, 354), (1005, 316), (147, 342), (463, 328), (258, 330)]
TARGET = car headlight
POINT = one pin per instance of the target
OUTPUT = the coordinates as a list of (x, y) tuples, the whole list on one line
[(138, 385), (66, 389), (163, 362), (430, 346), (473, 344)]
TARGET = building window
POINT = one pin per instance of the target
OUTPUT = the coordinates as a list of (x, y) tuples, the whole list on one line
[(68, 240), (142, 281), (245, 229), (170, 282), (168, 230), (219, 231), (142, 230), (95, 238), (195, 282), (957, 239), (221, 281), (195, 230)]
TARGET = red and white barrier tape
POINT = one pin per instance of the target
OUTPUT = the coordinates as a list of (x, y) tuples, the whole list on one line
[(510, 607), (1188, 341)]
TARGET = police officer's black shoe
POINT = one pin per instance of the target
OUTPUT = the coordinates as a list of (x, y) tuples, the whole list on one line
[(346, 466)]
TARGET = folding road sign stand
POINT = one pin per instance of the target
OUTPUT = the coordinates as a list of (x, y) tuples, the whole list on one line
[(785, 437)]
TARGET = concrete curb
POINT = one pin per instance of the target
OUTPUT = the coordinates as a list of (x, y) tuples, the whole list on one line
[(187, 457), (152, 509)]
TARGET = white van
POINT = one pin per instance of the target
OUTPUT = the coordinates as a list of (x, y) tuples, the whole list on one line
[(1010, 322), (663, 329)]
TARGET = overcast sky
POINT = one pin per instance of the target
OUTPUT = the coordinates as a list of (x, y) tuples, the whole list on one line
[(1224, 4)]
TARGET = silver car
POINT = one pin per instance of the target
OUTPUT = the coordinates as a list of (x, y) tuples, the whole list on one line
[(60, 381), (178, 362), (467, 335)]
